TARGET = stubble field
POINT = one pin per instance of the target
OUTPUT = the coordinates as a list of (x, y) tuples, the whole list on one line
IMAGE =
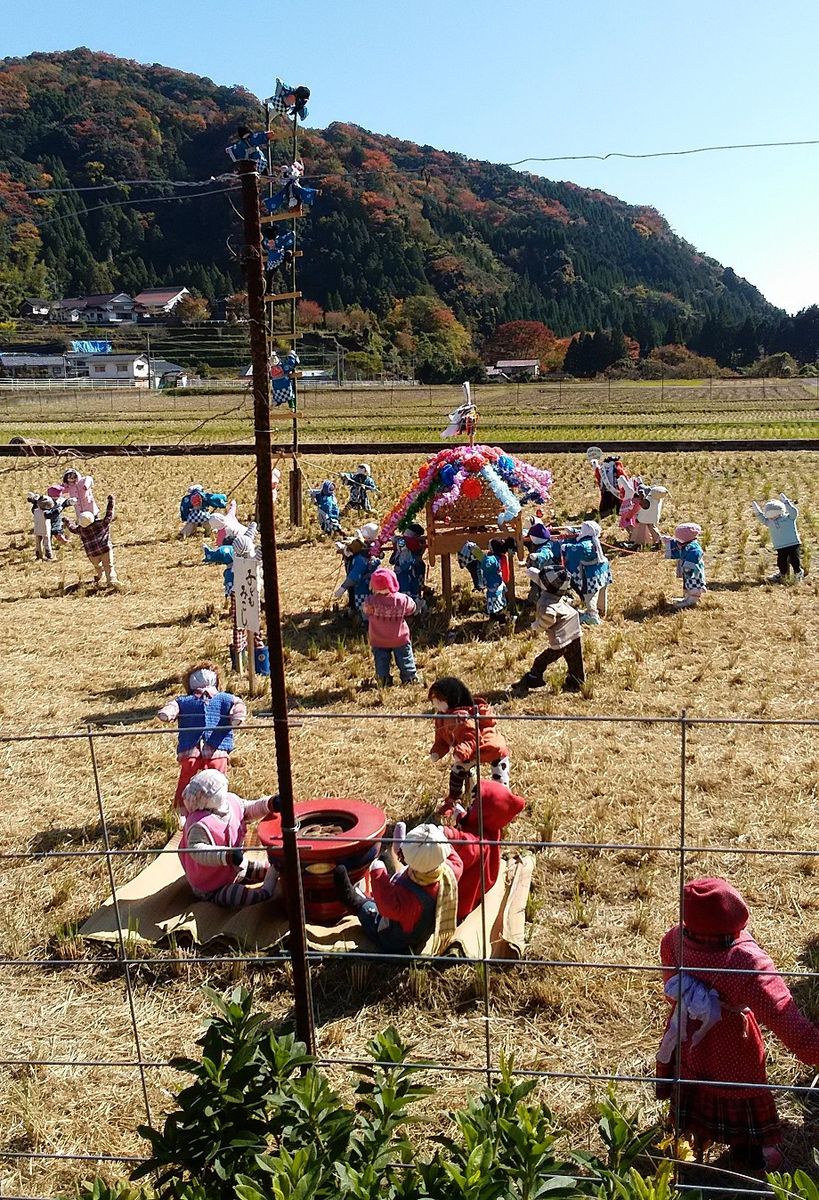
[(73, 657)]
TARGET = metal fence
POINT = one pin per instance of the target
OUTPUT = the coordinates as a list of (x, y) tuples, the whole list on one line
[(678, 852)]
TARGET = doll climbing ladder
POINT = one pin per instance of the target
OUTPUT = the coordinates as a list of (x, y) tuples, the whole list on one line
[(287, 202)]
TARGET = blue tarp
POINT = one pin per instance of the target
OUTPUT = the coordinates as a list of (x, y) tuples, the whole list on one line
[(91, 347)]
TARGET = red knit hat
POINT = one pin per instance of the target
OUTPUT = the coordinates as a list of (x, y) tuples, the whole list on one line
[(500, 806), (713, 908), (384, 580)]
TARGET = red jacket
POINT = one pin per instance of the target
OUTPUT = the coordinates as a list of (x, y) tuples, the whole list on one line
[(399, 903), (455, 731), (387, 625), (733, 1049), (500, 807)]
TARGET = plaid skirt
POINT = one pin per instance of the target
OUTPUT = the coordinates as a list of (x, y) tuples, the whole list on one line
[(716, 1116)]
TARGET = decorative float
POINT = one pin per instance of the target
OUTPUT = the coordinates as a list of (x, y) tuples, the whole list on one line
[(470, 493), (331, 831)]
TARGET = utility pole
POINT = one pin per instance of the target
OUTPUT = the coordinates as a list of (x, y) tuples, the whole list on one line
[(278, 692), (296, 483), (148, 355)]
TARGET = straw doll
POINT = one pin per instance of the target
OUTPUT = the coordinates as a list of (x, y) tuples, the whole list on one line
[(455, 733), (94, 532), (685, 549), (497, 808), (415, 909), (722, 986), (386, 611), (211, 847), (207, 719), (779, 518)]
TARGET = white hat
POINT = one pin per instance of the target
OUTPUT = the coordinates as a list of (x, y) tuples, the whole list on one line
[(590, 529), (207, 791), (425, 848), (244, 546), (85, 519), (368, 532), (365, 467), (773, 509)]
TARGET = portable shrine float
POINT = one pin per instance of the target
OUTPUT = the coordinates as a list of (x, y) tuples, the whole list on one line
[(470, 494)]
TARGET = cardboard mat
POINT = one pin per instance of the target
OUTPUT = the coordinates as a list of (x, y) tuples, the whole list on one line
[(159, 903)]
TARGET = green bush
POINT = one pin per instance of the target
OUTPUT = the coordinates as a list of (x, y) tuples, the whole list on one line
[(259, 1121)]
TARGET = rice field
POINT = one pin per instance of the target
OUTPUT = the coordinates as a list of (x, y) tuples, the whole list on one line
[(74, 658)]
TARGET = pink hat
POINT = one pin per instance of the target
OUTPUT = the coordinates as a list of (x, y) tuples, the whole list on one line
[(687, 533), (384, 580), (713, 908)]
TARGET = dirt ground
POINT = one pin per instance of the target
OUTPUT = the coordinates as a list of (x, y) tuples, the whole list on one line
[(73, 657)]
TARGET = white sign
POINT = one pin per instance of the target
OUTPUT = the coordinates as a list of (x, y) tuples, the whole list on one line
[(246, 591)]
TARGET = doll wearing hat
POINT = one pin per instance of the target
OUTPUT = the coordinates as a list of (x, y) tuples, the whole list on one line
[(495, 566), (414, 910), (361, 484), (360, 562), (386, 610), (470, 558), (684, 547), (41, 509), (779, 518), (588, 569), (211, 847), (560, 621), (722, 986), (206, 718), (324, 498), (608, 473), (455, 732), (94, 532), (408, 560), (477, 837)]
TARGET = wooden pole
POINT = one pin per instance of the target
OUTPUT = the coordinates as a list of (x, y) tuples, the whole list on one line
[(446, 584), (296, 483), (303, 998)]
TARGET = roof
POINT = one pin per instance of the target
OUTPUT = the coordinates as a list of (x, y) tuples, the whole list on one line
[(93, 301), (33, 360), (133, 357), (158, 295), (37, 300), (161, 366), (517, 362)]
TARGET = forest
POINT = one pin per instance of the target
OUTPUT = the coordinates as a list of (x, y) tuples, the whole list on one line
[(437, 251)]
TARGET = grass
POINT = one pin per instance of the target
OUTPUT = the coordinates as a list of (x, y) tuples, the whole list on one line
[(71, 656)]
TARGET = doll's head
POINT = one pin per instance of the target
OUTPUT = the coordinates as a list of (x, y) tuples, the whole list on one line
[(449, 692), (501, 546), (328, 488), (590, 529), (70, 476), (384, 582), (201, 676), (538, 534), (362, 470), (45, 503), (425, 849), (207, 792), (242, 131), (415, 538), (773, 510), (687, 533), (367, 533), (712, 908), (85, 519), (552, 580)]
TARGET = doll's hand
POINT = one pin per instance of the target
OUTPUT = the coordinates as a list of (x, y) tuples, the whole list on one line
[(433, 757), (236, 857), (274, 804), (339, 592)]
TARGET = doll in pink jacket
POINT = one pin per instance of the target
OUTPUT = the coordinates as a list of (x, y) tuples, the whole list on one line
[(77, 490)]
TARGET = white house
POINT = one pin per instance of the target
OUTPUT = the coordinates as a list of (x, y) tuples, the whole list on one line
[(129, 370), (43, 366), (155, 303), (108, 308), (516, 368)]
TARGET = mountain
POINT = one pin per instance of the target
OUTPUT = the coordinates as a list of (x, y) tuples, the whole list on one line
[(394, 219)]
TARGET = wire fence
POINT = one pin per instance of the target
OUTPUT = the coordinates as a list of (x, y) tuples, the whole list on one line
[(679, 852)]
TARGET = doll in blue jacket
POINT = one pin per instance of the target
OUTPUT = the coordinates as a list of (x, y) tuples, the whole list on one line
[(779, 518), (360, 562), (195, 507), (407, 559), (685, 549)]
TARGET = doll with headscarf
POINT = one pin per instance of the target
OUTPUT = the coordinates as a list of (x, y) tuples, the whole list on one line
[(359, 563), (685, 549), (477, 837), (94, 531), (588, 569), (779, 518), (407, 559), (470, 558), (722, 986), (211, 847), (414, 910), (608, 472), (206, 718), (77, 490), (292, 195), (361, 485), (195, 507), (495, 565), (646, 528), (244, 547), (48, 522), (324, 498), (542, 552)]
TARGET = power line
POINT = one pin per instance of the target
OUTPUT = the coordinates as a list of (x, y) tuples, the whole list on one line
[(659, 153), (125, 203), (101, 187)]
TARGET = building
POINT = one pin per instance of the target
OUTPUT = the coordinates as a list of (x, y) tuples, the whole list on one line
[(109, 308), (127, 370), (154, 304), (36, 310), (166, 374), (517, 368), (34, 366)]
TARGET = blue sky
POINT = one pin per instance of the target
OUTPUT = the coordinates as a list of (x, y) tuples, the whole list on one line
[(534, 77)]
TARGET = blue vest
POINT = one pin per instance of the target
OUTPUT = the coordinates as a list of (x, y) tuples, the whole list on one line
[(393, 938), (204, 719)]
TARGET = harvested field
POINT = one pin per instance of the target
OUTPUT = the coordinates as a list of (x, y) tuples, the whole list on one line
[(73, 657)]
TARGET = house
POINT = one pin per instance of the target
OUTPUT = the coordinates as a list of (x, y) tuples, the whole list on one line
[(108, 308), (518, 368), (153, 304), (166, 374), (34, 366), (36, 310), (127, 370)]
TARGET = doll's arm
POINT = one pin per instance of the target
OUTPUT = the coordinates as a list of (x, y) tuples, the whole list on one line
[(773, 1005), (255, 810), (393, 902), (238, 710), (790, 507), (759, 514), (169, 711), (465, 748), (440, 747), (202, 850)]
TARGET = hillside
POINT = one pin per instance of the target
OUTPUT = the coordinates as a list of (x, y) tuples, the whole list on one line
[(394, 219)]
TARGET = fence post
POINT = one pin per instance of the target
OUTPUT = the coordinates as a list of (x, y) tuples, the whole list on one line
[(678, 1074), (123, 949), (485, 945)]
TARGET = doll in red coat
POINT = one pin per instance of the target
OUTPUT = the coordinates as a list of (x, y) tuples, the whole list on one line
[(500, 806), (720, 1010)]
